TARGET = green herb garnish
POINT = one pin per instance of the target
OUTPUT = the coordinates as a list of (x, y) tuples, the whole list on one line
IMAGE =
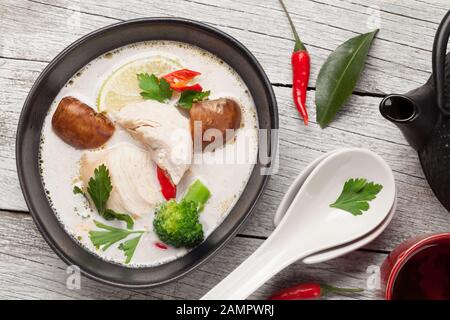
[(356, 195), (111, 215), (112, 235), (154, 88), (99, 188), (129, 246), (188, 97), (77, 190)]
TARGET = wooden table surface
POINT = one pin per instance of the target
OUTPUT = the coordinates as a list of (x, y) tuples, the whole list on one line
[(33, 32)]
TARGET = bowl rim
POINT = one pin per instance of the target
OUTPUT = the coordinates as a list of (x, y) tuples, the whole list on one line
[(26, 109)]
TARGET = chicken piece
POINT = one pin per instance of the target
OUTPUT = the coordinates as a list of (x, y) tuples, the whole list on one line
[(164, 131), (133, 177)]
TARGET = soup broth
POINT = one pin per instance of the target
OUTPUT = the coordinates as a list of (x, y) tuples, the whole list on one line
[(60, 162)]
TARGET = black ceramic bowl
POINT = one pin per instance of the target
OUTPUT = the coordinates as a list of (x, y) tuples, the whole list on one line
[(62, 68)]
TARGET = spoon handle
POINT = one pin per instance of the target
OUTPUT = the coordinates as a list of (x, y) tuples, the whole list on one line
[(246, 278), (269, 259)]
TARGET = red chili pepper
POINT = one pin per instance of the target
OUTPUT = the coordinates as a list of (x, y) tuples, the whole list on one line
[(168, 189), (309, 291), (178, 80), (301, 64), (181, 75), (161, 246), (195, 87)]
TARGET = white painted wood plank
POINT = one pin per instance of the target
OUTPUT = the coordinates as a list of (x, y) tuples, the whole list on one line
[(399, 61), (359, 125), (16, 78), (30, 270)]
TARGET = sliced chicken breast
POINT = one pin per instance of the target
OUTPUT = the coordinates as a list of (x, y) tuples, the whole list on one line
[(133, 176), (164, 131)]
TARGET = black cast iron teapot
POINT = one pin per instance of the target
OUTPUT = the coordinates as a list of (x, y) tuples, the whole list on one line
[(423, 115)]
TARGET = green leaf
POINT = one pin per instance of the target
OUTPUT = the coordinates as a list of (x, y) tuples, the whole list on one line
[(356, 195), (110, 214), (99, 188), (148, 82), (129, 246), (154, 88), (112, 235), (166, 90), (339, 75), (188, 97), (77, 190)]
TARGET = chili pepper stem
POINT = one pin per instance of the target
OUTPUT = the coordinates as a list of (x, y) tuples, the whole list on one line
[(299, 46), (311, 290), (330, 289)]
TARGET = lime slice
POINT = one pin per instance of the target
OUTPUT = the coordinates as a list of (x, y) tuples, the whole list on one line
[(122, 86)]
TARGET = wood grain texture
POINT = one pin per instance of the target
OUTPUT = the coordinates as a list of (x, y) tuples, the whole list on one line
[(35, 31), (400, 60), (30, 270)]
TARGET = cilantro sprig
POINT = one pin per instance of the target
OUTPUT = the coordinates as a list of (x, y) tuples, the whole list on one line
[(154, 88), (188, 97), (112, 235), (356, 195), (129, 246), (99, 189)]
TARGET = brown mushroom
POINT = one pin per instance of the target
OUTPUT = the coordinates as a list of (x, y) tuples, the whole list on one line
[(220, 114), (79, 125)]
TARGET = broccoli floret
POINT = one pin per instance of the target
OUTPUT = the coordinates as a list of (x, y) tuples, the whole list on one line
[(177, 224)]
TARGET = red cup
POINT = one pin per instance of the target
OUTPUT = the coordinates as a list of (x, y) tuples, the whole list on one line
[(402, 255)]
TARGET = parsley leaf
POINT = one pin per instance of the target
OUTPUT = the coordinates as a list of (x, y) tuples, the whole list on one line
[(188, 97), (77, 190), (154, 88), (129, 246), (99, 188), (356, 195), (112, 235)]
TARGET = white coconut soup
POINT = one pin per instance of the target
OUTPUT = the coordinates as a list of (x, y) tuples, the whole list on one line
[(225, 179)]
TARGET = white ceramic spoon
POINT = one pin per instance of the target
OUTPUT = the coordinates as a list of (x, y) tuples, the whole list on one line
[(310, 225), (337, 251), (352, 246), (294, 188)]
